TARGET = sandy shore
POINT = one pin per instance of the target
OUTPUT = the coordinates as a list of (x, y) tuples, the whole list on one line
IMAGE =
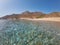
[(43, 19)]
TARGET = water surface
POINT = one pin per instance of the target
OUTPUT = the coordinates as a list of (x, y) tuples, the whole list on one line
[(23, 32)]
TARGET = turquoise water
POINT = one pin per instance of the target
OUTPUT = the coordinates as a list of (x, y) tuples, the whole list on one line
[(22, 32)]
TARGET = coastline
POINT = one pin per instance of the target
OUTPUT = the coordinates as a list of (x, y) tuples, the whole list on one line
[(56, 19)]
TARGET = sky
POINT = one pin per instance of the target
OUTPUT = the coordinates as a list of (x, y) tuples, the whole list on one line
[(8, 7)]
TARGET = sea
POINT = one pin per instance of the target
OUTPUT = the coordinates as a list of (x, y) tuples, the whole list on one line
[(27, 32)]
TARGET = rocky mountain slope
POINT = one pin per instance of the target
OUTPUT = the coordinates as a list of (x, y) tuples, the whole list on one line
[(28, 14)]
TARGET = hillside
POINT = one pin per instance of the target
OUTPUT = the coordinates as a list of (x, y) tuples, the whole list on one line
[(28, 14)]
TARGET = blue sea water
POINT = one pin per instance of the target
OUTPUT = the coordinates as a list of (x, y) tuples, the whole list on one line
[(23, 32)]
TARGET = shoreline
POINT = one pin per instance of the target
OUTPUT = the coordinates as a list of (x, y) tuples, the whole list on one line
[(56, 19)]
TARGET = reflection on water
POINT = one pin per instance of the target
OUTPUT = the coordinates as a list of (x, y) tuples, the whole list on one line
[(29, 33)]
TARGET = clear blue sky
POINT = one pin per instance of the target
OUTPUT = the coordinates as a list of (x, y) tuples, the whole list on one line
[(18, 6)]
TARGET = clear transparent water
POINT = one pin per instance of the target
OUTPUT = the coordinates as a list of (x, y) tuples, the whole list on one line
[(22, 32)]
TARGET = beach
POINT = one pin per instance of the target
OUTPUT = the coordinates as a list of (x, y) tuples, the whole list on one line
[(56, 19)]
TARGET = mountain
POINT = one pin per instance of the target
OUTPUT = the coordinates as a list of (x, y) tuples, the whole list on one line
[(54, 14), (28, 14)]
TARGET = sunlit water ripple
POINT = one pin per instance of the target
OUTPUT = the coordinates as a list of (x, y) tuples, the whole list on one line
[(22, 32)]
